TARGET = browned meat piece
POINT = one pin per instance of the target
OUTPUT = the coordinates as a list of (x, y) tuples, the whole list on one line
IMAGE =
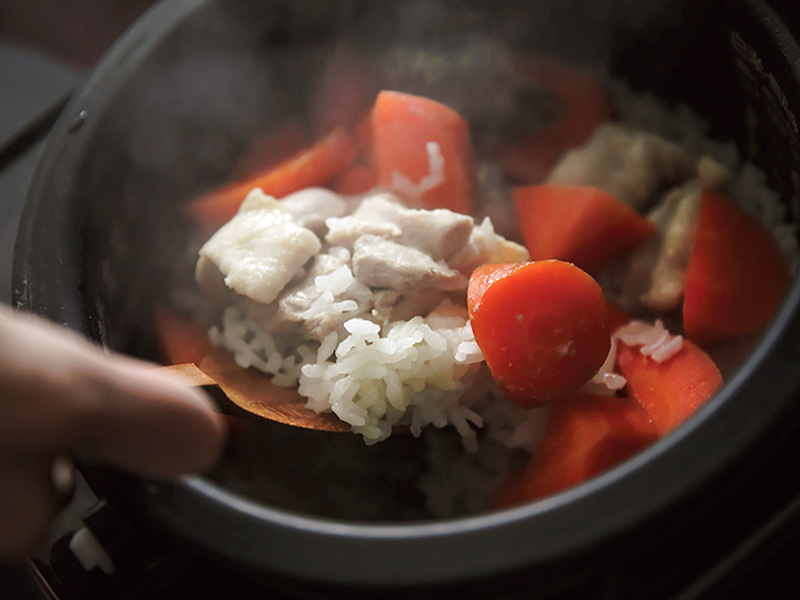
[(657, 269), (381, 263), (320, 309), (417, 302), (630, 165), (310, 207), (297, 299), (669, 273), (439, 233), (261, 249), (485, 246)]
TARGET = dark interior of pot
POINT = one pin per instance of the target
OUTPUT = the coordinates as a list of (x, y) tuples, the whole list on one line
[(173, 114)]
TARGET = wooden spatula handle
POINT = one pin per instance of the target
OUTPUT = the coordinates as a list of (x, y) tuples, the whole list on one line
[(191, 374)]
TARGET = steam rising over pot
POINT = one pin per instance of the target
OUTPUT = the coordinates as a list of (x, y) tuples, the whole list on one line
[(171, 112)]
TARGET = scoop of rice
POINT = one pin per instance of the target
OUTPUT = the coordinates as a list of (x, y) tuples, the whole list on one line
[(405, 372), (411, 373)]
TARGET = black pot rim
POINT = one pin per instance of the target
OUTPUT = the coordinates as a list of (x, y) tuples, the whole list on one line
[(335, 552), (556, 528)]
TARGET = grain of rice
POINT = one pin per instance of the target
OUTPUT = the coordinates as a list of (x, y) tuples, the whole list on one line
[(413, 191), (655, 341), (336, 282)]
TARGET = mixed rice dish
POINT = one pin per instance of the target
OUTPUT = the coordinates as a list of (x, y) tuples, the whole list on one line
[(406, 282)]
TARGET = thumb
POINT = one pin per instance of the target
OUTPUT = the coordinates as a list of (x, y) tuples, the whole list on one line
[(147, 422), (60, 393)]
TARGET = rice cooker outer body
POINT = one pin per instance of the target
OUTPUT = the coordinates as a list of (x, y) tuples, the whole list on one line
[(733, 60)]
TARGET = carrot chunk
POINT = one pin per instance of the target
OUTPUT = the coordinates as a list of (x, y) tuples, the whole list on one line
[(313, 166), (736, 277), (403, 126), (585, 435), (271, 148), (542, 327), (358, 179), (671, 390), (181, 340), (579, 224)]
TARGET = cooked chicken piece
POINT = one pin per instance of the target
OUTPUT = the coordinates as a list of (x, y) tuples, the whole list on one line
[(418, 302), (310, 207), (629, 165), (393, 305), (345, 231), (439, 233), (297, 299), (485, 246), (381, 263), (383, 303), (304, 302), (657, 269), (258, 200), (712, 173), (669, 274), (260, 249)]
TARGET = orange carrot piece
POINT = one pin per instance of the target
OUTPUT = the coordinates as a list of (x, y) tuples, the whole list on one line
[(579, 224), (671, 390), (358, 179), (270, 149), (402, 126), (313, 166), (736, 277), (483, 278), (586, 435), (542, 327), (587, 106), (180, 339)]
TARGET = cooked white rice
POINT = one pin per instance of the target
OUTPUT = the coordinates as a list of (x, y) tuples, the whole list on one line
[(410, 373), (406, 372)]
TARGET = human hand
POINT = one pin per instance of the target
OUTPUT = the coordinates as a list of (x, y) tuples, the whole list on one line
[(61, 396)]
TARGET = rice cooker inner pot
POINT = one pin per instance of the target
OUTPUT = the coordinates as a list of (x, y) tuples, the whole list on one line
[(178, 99)]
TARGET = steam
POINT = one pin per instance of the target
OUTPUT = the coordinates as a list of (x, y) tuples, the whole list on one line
[(235, 70), (231, 72)]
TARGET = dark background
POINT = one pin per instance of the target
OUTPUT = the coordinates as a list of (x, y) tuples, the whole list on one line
[(46, 47), (76, 32)]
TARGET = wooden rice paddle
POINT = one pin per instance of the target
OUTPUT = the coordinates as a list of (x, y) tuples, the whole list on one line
[(254, 392)]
